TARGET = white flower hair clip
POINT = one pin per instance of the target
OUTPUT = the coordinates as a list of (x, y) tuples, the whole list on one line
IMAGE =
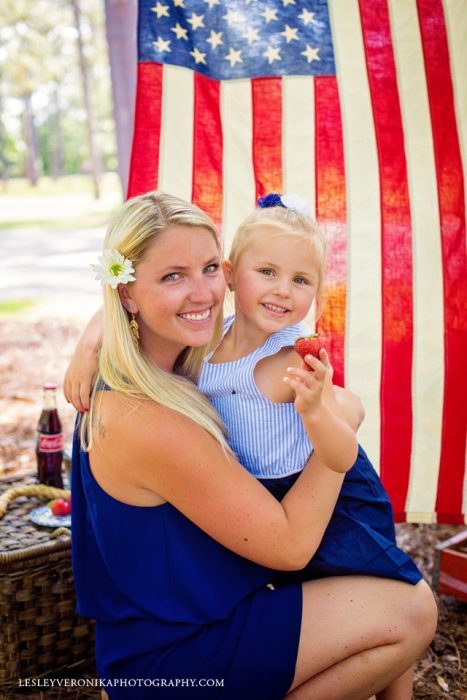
[(114, 269), (288, 201)]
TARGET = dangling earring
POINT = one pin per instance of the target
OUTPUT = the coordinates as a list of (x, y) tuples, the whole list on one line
[(134, 328)]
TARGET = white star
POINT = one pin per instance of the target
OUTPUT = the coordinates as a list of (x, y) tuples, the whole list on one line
[(179, 3), (272, 55), (161, 10), (180, 31), (162, 44), (215, 39), (234, 57), (252, 35), (311, 54), (288, 2), (198, 56), (211, 3), (269, 14), (290, 33), (196, 21), (307, 17), (232, 16)]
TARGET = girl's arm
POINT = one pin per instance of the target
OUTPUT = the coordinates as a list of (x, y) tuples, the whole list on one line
[(351, 407), (83, 366), (154, 449), (332, 437)]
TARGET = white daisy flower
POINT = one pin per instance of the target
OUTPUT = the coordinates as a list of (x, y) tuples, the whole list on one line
[(114, 269), (293, 201)]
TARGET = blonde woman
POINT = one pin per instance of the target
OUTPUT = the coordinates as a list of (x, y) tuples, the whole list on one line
[(174, 542)]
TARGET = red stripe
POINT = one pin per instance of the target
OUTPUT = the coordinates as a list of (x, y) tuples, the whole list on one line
[(267, 134), (453, 245), (144, 164), (396, 256), (331, 214), (207, 147)]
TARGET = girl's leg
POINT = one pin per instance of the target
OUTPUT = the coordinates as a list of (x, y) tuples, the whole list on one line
[(359, 634), (400, 689)]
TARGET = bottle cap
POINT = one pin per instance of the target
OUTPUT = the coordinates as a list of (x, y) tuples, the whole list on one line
[(49, 386)]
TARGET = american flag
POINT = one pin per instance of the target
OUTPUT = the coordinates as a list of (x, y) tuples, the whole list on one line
[(360, 107)]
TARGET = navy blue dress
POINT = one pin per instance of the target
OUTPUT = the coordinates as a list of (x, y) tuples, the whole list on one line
[(360, 537), (173, 607)]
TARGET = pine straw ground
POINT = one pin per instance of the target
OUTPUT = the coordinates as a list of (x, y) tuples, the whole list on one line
[(35, 351)]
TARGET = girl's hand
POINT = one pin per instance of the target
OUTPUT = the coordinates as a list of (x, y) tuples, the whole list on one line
[(79, 377), (308, 386)]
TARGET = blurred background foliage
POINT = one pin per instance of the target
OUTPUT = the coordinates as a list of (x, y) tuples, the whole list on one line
[(57, 113)]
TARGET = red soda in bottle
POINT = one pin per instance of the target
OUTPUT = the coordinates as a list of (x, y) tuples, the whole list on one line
[(49, 446)]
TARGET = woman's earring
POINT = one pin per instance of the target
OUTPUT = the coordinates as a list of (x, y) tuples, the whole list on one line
[(134, 328)]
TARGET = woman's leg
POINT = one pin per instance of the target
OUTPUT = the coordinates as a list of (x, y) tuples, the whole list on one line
[(400, 689), (359, 634)]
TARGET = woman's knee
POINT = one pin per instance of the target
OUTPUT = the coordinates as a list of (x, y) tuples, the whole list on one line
[(421, 614)]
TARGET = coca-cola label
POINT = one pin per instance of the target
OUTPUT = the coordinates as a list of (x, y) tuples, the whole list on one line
[(50, 443)]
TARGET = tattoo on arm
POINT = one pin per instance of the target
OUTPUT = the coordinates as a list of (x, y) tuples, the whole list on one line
[(99, 426)]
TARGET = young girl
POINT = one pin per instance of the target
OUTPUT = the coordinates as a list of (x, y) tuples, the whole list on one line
[(276, 270)]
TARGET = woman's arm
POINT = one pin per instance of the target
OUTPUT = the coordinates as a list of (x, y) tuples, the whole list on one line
[(82, 369), (145, 448)]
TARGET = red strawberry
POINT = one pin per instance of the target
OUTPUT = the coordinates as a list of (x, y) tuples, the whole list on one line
[(60, 506), (308, 345)]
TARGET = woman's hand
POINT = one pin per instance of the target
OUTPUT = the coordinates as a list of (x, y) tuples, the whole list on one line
[(79, 377)]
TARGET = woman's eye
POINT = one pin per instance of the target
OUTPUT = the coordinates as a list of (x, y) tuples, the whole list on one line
[(266, 271), (213, 267), (171, 277)]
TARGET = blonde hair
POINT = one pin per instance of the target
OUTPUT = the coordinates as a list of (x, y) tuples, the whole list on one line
[(284, 221), (122, 366)]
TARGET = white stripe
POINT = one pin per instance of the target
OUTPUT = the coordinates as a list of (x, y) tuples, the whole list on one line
[(238, 176), (363, 331), (428, 362), (298, 137), (456, 24), (176, 154)]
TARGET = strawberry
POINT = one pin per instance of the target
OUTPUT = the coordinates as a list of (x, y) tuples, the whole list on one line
[(60, 506), (308, 345)]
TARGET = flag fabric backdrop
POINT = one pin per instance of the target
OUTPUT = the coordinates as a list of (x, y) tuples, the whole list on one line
[(360, 107)]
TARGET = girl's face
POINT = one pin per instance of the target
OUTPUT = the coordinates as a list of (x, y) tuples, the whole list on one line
[(178, 293), (275, 280)]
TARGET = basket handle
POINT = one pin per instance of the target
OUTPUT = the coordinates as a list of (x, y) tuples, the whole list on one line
[(39, 490)]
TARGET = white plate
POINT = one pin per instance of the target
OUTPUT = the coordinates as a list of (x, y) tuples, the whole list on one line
[(44, 516)]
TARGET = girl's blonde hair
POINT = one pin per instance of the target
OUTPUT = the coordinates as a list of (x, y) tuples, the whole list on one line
[(283, 221), (122, 366)]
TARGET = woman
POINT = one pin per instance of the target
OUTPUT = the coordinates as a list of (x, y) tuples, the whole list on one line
[(180, 539)]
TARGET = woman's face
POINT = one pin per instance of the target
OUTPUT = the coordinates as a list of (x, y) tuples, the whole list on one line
[(178, 293)]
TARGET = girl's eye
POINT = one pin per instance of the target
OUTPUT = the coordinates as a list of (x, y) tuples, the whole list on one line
[(300, 280), (171, 277), (213, 267), (266, 271)]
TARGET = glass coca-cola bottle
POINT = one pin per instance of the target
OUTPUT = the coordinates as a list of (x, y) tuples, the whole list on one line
[(49, 446)]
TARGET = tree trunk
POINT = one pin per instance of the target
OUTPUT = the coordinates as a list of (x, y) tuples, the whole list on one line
[(3, 160), (88, 103), (121, 21), (58, 155), (31, 139)]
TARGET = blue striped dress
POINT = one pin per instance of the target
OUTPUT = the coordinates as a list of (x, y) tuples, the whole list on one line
[(270, 441), (268, 438)]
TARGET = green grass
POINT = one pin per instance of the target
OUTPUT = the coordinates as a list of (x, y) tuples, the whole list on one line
[(65, 203), (14, 307)]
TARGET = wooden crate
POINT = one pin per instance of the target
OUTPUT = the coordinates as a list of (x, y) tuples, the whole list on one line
[(450, 576)]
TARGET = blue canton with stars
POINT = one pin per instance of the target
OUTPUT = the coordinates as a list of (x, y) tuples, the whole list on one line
[(228, 39)]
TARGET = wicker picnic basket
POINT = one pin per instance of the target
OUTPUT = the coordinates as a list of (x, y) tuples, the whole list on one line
[(40, 631)]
